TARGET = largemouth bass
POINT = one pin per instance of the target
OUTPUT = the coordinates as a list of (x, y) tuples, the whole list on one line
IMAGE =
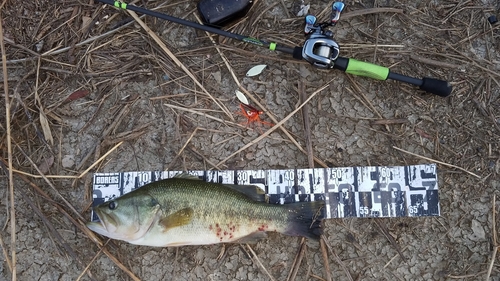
[(185, 211)]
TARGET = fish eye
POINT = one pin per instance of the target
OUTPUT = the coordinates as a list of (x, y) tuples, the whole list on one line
[(112, 205), (153, 202)]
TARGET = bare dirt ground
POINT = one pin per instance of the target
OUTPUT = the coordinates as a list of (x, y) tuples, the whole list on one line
[(84, 78)]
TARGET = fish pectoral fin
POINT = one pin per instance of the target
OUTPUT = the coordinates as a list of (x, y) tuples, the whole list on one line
[(179, 218), (252, 191), (252, 238)]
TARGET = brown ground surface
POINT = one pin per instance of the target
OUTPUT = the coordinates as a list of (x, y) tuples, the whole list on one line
[(83, 77)]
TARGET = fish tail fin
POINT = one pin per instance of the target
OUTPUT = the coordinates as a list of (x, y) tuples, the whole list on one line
[(306, 219)]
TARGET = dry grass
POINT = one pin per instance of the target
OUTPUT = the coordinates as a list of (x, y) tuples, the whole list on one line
[(87, 52), (13, 261)]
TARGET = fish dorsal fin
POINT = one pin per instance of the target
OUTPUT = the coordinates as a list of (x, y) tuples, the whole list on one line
[(186, 176), (252, 191), (179, 218), (252, 238)]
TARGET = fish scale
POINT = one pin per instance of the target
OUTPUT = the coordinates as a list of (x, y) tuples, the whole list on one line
[(216, 211)]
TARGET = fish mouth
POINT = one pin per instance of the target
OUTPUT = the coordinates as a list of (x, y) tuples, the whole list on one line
[(113, 226), (97, 227), (100, 226)]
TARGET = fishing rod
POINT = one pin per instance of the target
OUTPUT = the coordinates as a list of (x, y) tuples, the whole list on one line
[(319, 48)]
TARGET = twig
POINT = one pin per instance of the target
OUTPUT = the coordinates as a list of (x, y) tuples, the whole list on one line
[(96, 150), (120, 265), (370, 11), (9, 155), (297, 261), (194, 151), (370, 46), (285, 8), (12, 43), (4, 250), (44, 123), (129, 135), (260, 263), (317, 277), (394, 257), (436, 161), (495, 245), (199, 113), (388, 121), (79, 224), (339, 261), (268, 132), (356, 13), (389, 237), (62, 50), (491, 72), (54, 232), (90, 263), (369, 105), (182, 148), (434, 63), (178, 62), (490, 268), (100, 159), (305, 118), (69, 177), (324, 254), (49, 182), (493, 224), (47, 176), (91, 235)]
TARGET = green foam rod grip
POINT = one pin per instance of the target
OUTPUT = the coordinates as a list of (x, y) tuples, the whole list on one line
[(367, 69)]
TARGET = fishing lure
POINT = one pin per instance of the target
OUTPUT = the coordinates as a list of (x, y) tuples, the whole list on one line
[(252, 114)]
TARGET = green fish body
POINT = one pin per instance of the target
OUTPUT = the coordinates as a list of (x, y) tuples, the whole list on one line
[(182, 211)]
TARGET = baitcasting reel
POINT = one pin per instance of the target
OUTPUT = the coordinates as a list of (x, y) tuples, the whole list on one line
[(319, 48)]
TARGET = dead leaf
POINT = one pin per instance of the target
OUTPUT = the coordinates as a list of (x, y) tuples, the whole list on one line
[(423, 134), (86, 22), (389, 121), (77, 95), (46, 164), (46, 128)]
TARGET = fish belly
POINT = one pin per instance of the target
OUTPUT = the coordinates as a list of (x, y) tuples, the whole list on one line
[(202, 233)]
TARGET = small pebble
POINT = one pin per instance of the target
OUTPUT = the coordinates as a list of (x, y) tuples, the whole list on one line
[(68, 161)]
